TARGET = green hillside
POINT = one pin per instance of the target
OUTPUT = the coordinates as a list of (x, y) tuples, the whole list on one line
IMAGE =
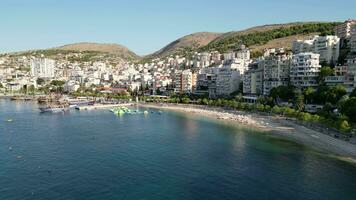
[(232, 40)]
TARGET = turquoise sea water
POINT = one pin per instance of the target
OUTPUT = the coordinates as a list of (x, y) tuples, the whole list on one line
[(97, 155)]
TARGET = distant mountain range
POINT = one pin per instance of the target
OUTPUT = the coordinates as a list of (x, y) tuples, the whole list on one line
[(256, 38)]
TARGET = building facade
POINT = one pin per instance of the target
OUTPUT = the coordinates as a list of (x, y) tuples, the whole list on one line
[(343, 31), (328, 47), (276, 71), (353, 38), (42, 68), (185, 81), (253, 79), (304, 70), (227, 81)]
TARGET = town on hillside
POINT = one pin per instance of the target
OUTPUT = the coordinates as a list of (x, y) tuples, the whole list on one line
[(316, 67)]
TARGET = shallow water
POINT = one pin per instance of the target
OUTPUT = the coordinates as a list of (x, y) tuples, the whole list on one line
[(97, 155)]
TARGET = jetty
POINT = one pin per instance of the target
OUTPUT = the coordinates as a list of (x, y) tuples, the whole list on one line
[(101, 106)]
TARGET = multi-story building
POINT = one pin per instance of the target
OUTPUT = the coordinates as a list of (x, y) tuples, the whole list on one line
[(206, 82), (227, 81), (353, 38), (201, 60), (304, 70), (276, 71), (215, 57), (344, 75), (185, 81), (42, 67), (350, 77), (301, 46), (253, 79), (243, 53), (341, 70), (343, 31), (327, 47)]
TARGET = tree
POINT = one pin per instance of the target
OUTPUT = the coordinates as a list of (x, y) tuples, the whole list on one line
[(342, 101), (205, 101), (353, 93), (324, 72), (185, 100), (344, 125), (349, 109), (283, 92), (332, 95), (335, 93), (239, 98), (40, 81), (31, 89), (309, 94), (276, 109), (299, 102), (57, 83)]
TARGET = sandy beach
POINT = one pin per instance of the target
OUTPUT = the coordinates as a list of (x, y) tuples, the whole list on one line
[(270, 124)]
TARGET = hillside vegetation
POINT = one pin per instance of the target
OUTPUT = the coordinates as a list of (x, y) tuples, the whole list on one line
[(232, 40)]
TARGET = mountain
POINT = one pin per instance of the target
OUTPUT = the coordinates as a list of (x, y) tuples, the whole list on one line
[(114, 49), (256, 38), (269, 36), (192, 41)]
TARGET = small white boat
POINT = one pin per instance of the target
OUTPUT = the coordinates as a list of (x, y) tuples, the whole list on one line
[(54, 109)]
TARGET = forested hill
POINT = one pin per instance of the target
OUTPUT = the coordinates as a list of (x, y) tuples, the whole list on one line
[(259, 36), (256, 38)]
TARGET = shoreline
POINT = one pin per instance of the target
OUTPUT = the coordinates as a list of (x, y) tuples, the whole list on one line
[(270, 124)]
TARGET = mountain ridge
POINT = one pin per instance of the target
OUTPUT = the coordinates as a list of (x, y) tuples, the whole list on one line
[(111, 48), (209, 41)]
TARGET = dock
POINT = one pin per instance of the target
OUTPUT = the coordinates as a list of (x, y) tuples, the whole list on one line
[(101, 106)]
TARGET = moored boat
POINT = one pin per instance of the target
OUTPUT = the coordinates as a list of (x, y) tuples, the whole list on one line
[(54, 108)]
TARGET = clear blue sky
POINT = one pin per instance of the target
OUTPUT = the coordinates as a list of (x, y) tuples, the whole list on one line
[(147, 25)]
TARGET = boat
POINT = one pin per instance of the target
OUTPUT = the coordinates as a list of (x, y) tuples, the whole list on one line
[(9, 120), (54, 109), (22, 98), (80, 102)]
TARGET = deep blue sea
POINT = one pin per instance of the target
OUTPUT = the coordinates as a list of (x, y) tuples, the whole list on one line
[(94, 155)]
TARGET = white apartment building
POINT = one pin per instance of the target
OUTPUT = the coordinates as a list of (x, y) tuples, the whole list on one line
[(227, 81), (206, 82), (301, 46), (353, 38), (343, 31), (327, 46), (244, 53), (253, 79), (215, 57), (276, 71), (238, 64), (42, 67), (201, 60), (71, 86), (304, 70), (184, 81), (345, 75)]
